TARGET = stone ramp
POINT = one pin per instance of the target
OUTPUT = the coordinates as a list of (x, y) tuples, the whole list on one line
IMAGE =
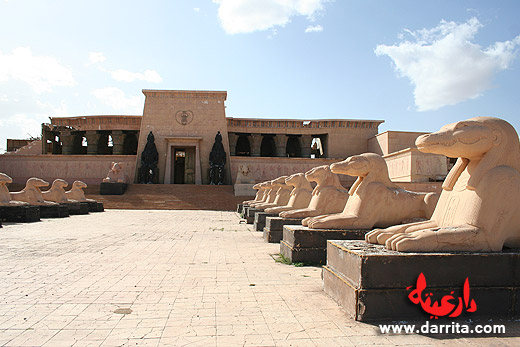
[(169, 197)]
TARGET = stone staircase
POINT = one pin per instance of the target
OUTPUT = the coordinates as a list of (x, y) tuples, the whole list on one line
[(169, 197)]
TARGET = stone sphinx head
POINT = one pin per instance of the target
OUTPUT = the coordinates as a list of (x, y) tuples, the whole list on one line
[(298, 180), (279, 182), (491, 140), (37, 183), (59, 184), (361, 166), (4, 192), (323, 177)]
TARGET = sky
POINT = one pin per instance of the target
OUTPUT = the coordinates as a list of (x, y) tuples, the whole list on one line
[(417, 65)]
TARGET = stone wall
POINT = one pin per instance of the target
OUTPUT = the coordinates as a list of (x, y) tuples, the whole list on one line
[(90, 169), (410, 165), (263, 169), (392, 141)]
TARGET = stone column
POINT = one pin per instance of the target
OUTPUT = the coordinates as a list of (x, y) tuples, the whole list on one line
[(305, 143), (67, 140), (232, 137), (92, 141), (280, 141), (118, 139), (255, 142)]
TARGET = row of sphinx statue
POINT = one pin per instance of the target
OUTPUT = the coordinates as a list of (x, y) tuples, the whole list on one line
[(476, 211), (31, 194)]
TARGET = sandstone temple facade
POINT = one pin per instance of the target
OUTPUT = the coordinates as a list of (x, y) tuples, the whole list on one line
[(185, 123)]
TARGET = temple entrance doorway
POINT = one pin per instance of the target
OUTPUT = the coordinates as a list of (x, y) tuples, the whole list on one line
[(183, 165)]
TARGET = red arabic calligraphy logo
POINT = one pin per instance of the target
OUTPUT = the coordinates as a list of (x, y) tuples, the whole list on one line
[(449, 305)]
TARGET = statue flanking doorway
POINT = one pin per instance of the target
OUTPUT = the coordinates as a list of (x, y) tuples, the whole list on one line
[(148, 172)]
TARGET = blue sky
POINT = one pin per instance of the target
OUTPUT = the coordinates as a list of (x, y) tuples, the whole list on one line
[(415, 64)]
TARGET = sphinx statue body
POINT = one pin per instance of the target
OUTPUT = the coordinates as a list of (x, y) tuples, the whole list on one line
[(300, 195), (57, 192), (32, 193), (260, 192), (478, 207), (282, 194), (5, 197), (116, 174), (374, 200), (329, 196)]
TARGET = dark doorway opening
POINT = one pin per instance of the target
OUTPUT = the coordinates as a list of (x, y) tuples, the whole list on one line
[(293, 148), (179, 165), (268, 147), (130, 144), (243, 148)]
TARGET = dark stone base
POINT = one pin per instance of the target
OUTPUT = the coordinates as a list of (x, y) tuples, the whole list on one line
[(77, 208), (273, 231), (94, 206), (107, 188), (250, 215), (370, 282), (303, 245), (53, 211), (239, 208), (260, 217), (20, 214)]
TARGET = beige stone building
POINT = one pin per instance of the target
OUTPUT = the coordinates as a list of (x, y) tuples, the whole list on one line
[(185, 123)]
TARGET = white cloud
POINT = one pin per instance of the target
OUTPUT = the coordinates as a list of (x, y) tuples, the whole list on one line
[(127, 76), (245, 16), (196, 9), (446, 66), (314, 29), (96, 57), (117, 99), (42, 73)]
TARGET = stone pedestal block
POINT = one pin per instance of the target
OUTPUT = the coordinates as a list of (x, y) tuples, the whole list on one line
[(95, 206), (108, 188), (371, 282), (260, 217), (273, 231), (77, 208), (243, 189), (20, 214), (239, 208), (301, 244), (53, 211), (250, 215)]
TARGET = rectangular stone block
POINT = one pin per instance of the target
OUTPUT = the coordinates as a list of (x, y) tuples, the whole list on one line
[(273, 231), (239, 208), (371, 282), (250, 215), (95, 206), (260, 217), (244, 189), (76, 208), (301, 244), (108, 188), (20, 213), (53, 211)]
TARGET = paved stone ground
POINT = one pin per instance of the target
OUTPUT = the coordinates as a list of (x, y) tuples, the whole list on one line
[(190, 278)]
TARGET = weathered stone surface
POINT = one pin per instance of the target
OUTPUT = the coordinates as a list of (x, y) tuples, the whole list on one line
[(273, 231), (239, 208), (53, 211), (260, 217), (478, 207), (20, 213), (108, 188), (301, 244), (75, 208), (95, 206), (370, 282), (374, 200), (243, 189)]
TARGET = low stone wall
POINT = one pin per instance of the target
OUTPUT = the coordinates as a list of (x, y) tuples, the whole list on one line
[(263, 168), (90, 169)]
